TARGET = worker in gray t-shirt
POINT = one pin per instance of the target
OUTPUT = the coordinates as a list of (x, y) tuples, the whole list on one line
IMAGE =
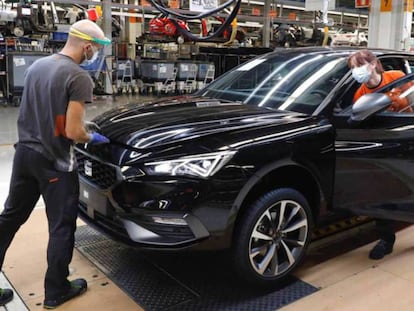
[(50, 122), (41, 123)]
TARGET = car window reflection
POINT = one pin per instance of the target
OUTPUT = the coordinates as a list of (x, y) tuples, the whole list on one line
[(299, 84)]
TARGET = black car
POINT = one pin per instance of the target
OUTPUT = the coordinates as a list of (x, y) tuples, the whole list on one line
[(253, 162)]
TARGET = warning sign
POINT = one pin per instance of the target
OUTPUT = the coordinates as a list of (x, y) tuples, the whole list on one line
[(386, 5), (362, 3)]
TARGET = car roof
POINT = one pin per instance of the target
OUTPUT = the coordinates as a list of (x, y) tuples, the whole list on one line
[(291, 52)]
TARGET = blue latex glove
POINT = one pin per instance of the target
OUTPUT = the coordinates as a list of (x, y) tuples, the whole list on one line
[(97, 139)]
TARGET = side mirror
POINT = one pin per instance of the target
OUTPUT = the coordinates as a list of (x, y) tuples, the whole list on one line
[(368, 105)]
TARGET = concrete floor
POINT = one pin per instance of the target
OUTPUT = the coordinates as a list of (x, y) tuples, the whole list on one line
[(347, 281)]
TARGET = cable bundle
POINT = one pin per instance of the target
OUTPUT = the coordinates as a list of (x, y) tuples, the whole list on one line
[(193, 16)]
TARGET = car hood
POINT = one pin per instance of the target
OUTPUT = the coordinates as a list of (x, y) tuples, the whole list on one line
[(169, 121), (186, 125)]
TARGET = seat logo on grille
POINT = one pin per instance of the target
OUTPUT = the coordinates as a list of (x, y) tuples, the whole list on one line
[(88, 168)]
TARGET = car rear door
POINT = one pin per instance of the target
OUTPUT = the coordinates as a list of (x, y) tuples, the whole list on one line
[(375, 164)]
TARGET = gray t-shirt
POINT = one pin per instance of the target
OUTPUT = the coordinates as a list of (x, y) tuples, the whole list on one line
[(50, 83)]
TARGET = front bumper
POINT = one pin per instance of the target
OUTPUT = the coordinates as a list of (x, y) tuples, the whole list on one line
[(146, 228), (157, 212)]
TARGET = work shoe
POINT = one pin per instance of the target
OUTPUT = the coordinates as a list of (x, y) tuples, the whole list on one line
[(77, 287), (6, 295), (381, 249)]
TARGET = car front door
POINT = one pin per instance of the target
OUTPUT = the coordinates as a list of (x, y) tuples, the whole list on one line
[(375, 162)]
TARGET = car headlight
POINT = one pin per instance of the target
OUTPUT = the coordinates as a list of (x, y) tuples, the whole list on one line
[(201, 165)]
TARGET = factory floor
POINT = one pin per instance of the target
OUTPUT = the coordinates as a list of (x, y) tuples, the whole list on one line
[(340, 271)]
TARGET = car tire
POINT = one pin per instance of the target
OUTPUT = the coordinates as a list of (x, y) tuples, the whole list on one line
[(272, 237)]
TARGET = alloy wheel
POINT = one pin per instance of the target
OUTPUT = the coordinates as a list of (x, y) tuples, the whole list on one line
[(278, 238)]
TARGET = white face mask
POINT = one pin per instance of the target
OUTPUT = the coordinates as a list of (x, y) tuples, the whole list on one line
[(88, 61), (361, 74)]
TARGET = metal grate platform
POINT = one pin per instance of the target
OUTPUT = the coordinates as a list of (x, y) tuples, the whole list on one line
[(181, 281)]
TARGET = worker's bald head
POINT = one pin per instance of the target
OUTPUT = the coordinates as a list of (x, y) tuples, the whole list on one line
[(85, 38), (88, 28)]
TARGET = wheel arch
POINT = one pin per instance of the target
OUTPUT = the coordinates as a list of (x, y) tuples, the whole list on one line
[(283, 174)]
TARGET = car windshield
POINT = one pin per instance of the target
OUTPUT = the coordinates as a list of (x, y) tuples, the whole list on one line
[(279, 81)]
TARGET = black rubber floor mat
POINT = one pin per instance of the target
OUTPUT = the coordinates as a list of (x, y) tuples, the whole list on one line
[(181, 281)]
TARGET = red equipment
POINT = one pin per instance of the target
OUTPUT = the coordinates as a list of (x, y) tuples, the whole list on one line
[(163, 26)]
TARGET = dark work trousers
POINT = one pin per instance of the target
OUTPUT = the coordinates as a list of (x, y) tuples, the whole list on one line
[(34, 175), (385, 229)]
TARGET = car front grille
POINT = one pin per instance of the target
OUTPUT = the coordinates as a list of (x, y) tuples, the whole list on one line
[(100, 174)]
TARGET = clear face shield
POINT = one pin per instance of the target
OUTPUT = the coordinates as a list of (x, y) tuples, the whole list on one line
[(89, 60)]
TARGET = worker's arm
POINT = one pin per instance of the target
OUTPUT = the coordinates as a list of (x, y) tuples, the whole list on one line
[(74, 128)]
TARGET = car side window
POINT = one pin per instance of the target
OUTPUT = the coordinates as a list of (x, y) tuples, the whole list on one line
[(388, 63), (347, 98), (393, 63), (410, 65)]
